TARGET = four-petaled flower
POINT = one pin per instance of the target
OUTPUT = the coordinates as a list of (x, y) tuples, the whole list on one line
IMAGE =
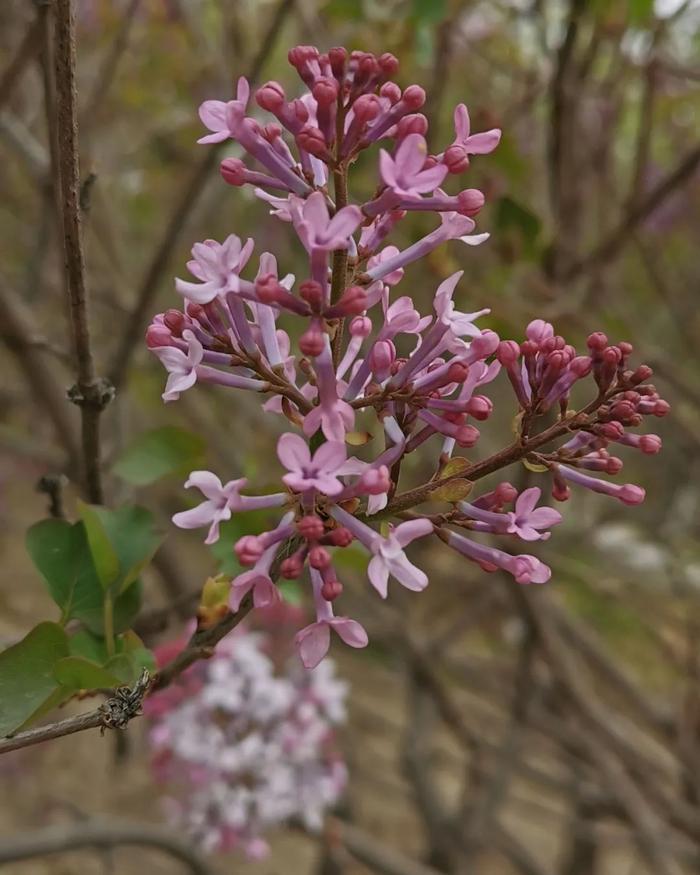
[(317, 230), (221, 500), (314, 640), (213, 114), (217, 266), (459, 324), (404, 173), (181, 366), (390, 559), (473, 144), (305, 472), (527, 521)]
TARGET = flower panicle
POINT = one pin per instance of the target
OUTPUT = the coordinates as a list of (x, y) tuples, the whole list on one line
[(367, 361)]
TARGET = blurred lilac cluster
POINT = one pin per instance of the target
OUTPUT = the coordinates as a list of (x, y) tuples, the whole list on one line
[(244, 745), (357, 364)]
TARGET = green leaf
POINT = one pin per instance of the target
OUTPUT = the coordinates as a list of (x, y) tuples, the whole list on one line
[(158, 453), (78, 673), (126, 536), (59, 550), (27, 684), (291, 591), (89, 646), (104, 556)]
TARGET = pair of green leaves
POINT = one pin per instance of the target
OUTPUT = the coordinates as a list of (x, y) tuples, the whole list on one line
[(84, 565), (48, 666), (102, 554)]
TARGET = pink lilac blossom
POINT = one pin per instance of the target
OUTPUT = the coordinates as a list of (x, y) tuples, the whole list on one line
[(369, 362), (245, 741)]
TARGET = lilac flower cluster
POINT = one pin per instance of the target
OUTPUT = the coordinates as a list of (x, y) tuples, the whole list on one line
[(364, 363), (243, 747)]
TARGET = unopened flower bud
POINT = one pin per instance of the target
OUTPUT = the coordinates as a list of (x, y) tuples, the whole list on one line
[(470, 201), (641, 375), (339, 537), (337, 57), (467, 435), (157, 334), (311, 139), (391, 91), (331, 589), (480, 407), (361, 326), (291, 567), (311, 342), (310, 527), (415, 123), (388, 64), (366, 108), (376, 481), (508, 352), (319, 557), (381, 358), (597, 341), (233, 171), (455, 158), (176, 321), (325, 91), (413, 97), (248, 549), (270, 97), (650, 444), (311, 292)]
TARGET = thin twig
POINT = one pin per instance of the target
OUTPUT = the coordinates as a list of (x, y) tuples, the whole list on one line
[(89, 393), (102, 834), (191, 192)]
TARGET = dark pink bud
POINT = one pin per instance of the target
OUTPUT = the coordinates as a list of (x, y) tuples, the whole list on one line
[(560, 491), (312, 141), (480, 407), (505, 493), (388, 64), (325, 91), (456, 373), (467, 435), (291, 567), (366, 108), (661, 408), (597, 341), (416, 123), (176, 322), (311, 292), (353, 301), (319, 558), (650, 444), (233, 171), (270, 97), (195, 311), (331, 589), (625, 348), (267, 288), (248, 549), (613, 465), (631, 494), (413, 97), (470, 201), (391, 91), (310, 527), (508, 352), (456, 158), (339, 537), (311, 342), (337, 58), (641, 375), (581, 365), (612, 431), (157, 335)]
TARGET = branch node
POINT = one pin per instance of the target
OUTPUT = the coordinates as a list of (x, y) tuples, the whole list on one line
[(97, 394), (125, 704)]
